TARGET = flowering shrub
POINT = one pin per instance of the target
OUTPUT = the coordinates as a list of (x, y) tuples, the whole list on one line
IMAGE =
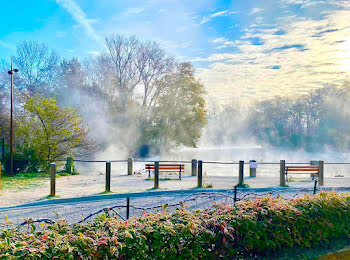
[(256, 227)]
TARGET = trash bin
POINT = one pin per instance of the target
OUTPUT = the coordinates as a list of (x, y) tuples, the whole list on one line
[(252, 167)]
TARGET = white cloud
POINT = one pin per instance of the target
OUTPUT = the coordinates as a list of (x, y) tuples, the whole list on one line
[(224, 43), (80, 17), (134, 10), (7, 45), (216, 14), (222, 13), (255, 10), (307, 55)]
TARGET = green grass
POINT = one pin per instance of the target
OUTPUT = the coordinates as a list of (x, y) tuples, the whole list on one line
[(27, 180), (24, 181), (243, 185)]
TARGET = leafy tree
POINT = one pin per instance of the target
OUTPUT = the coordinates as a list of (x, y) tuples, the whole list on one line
[(53, 132), (179, 111)]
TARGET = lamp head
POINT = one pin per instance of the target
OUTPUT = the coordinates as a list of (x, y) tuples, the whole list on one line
[(10, 72), (15, 70)]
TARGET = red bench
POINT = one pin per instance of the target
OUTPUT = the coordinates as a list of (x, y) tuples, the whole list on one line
[(180, 168), (313, 170)]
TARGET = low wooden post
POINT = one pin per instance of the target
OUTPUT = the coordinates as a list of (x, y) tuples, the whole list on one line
[(52, 179), (130, 166), (194, 167), (320, 173), (108, 176), (156, 175), (241, 173), (282, 173), (200, 174)]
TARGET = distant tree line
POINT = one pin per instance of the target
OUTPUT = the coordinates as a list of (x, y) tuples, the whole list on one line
[(315, 122), (142, 94)]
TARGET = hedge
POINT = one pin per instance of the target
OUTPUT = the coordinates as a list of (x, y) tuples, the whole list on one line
[(251, 228)]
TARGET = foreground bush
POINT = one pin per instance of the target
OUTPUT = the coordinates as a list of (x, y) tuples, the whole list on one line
[(257, 227)]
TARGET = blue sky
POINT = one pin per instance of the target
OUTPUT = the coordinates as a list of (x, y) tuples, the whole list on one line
[(241, 49)]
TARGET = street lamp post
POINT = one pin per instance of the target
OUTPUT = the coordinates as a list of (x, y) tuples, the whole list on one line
[(11, 72)]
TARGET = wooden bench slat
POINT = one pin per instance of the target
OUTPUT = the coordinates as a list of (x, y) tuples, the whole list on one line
[(303, 169), (315, 173), (169, 168), (296, 167)]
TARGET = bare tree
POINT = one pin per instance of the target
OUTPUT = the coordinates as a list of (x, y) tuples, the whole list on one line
[(135, 70), (38, 66), (153, 64)]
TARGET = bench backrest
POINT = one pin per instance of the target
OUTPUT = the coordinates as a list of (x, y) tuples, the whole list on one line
[(167, 167), (302, 169)]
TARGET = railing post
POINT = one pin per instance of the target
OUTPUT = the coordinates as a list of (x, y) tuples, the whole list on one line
[(108, 176), (0, 175), (200, 174), (315, 187), (282, 173), (320, 173), (194, 167), (241, 173), (235, 195), (2, 148), (156, 175), (127, 207), (52, 179), (130, 166)]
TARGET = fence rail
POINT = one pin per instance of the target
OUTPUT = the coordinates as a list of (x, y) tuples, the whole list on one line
[(197, 170), (127, 207)]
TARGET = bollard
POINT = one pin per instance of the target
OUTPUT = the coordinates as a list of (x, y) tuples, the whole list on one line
[(108, 176), (127, 208), (241, 173), (52, 179), (194, 167), (156, 175), (282, 173), (70, 165), (130, 166), (320, 173), (200, 174), (252, 168)]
